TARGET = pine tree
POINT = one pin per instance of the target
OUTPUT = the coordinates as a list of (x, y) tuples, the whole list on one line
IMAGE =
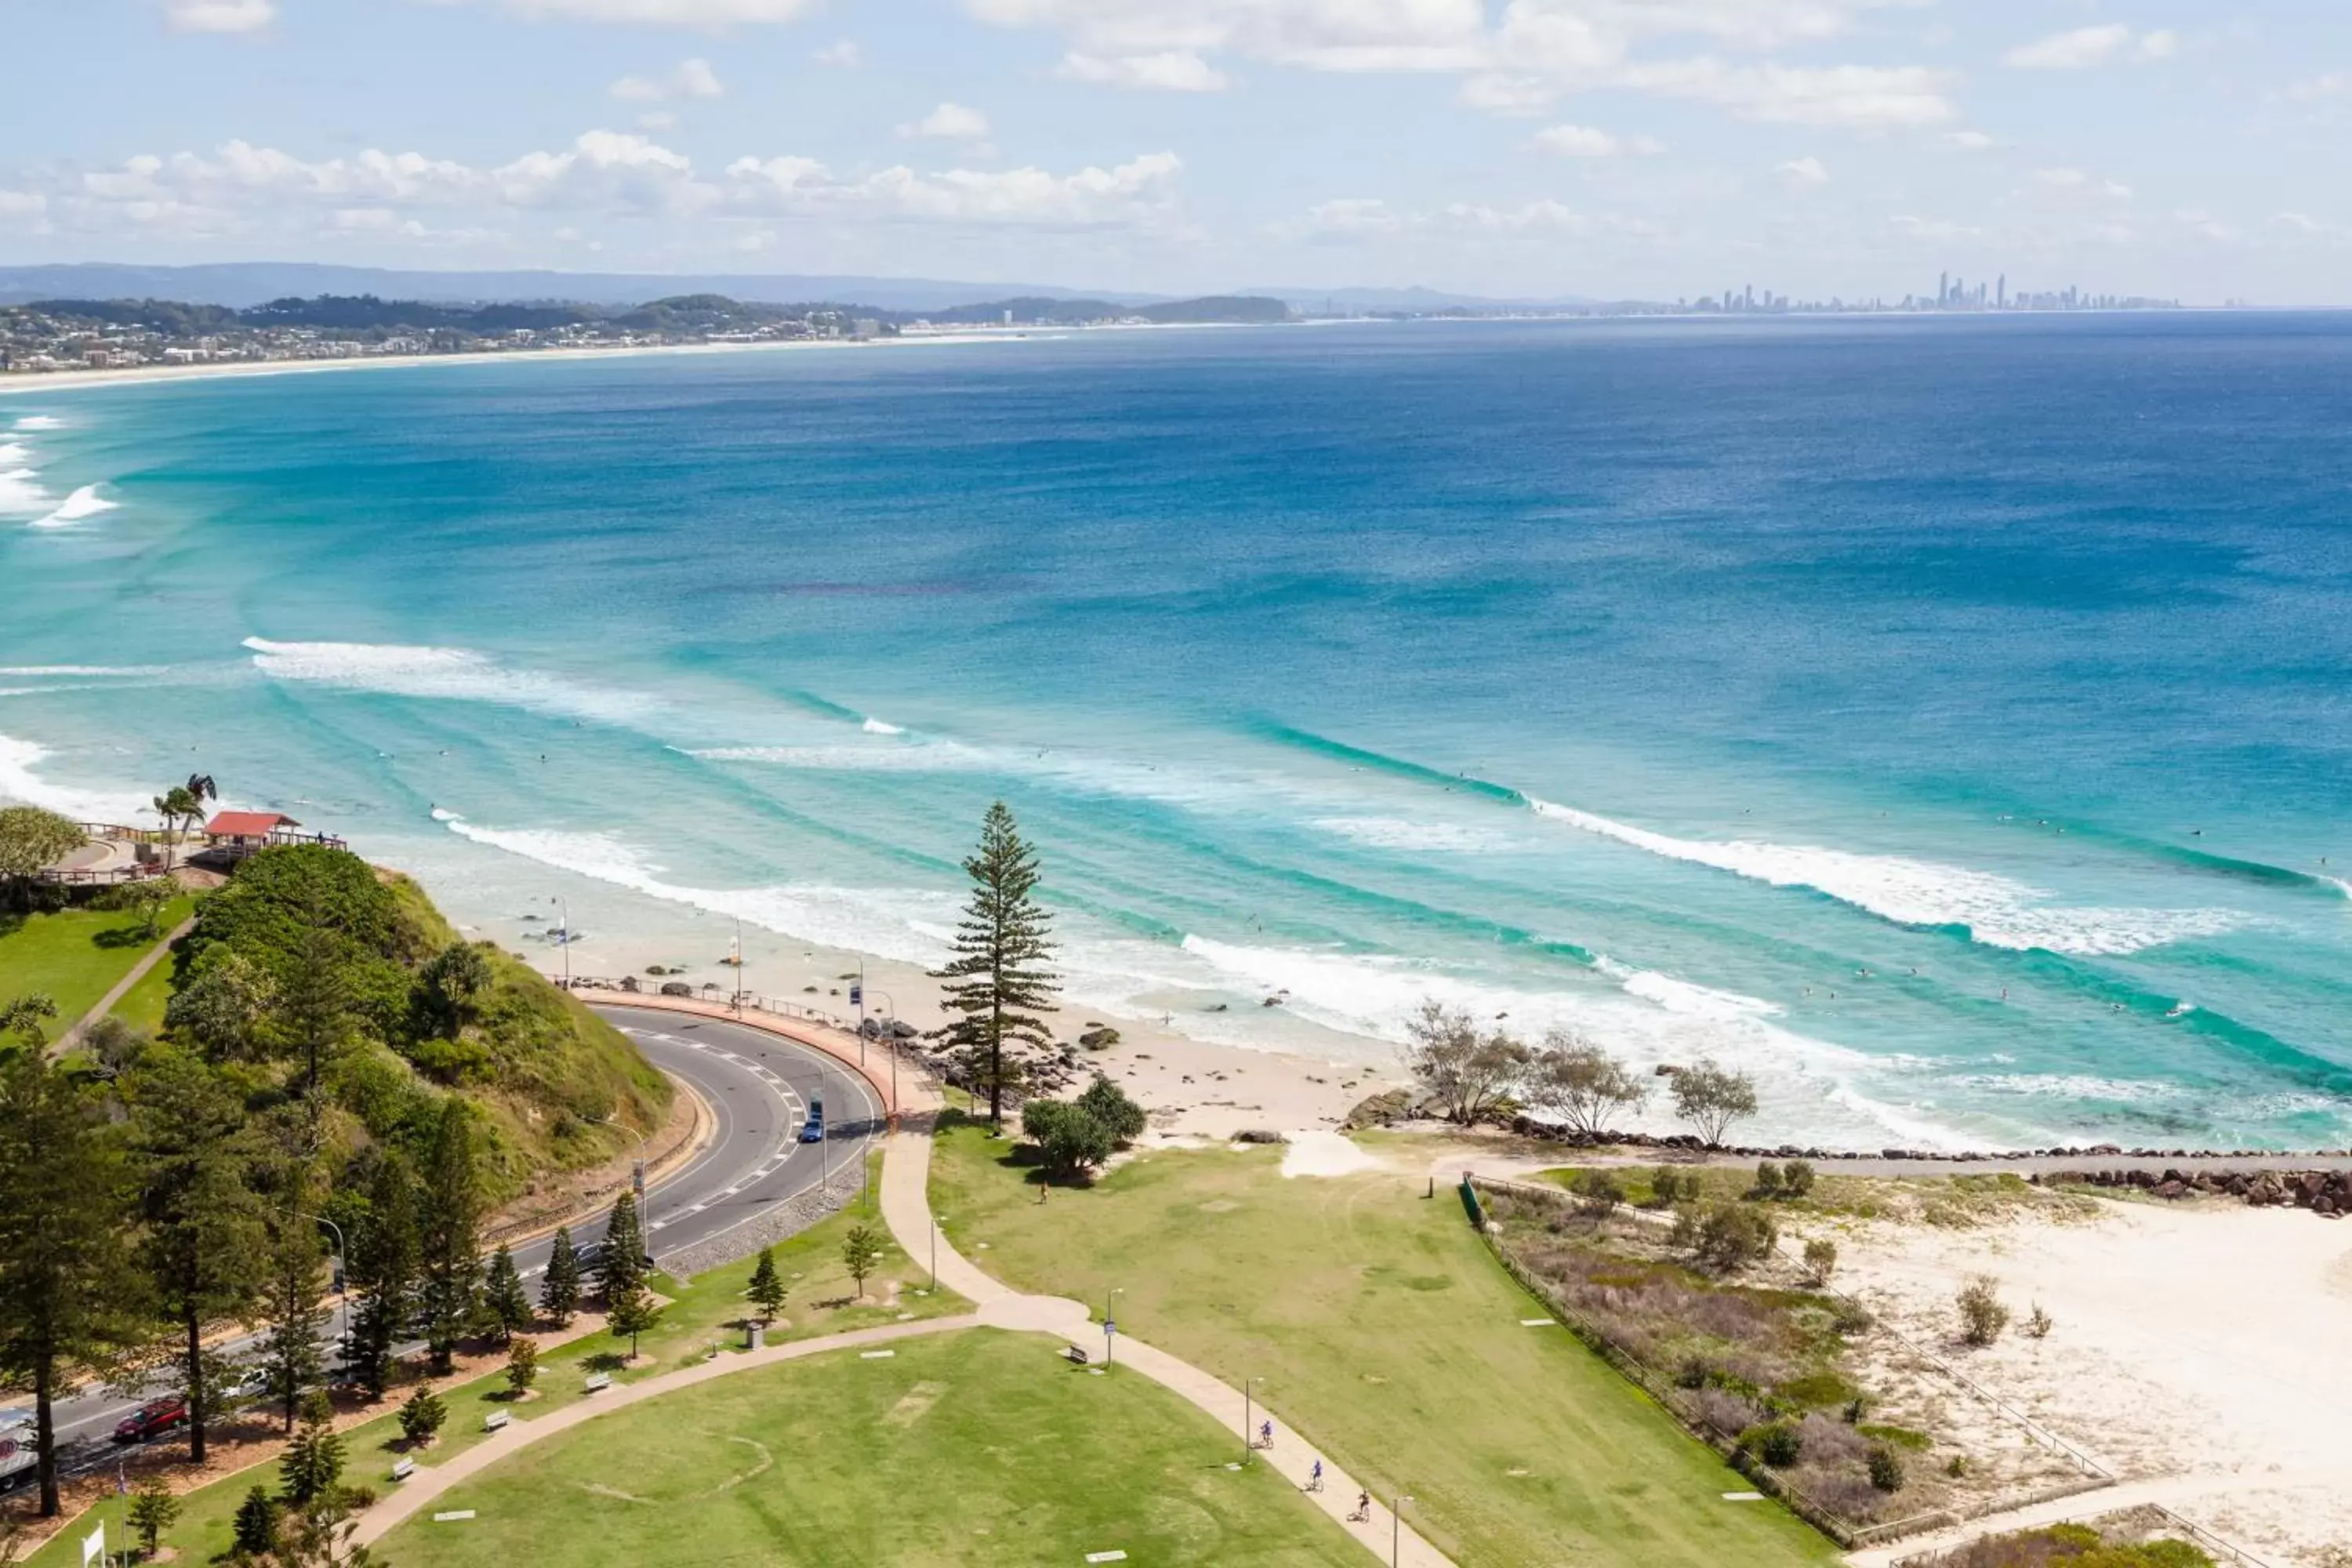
[(152, 1511), (767, 1287), (558, 1292), (621, 1263), (999, 977), (294, 1251), (861, 1253), (448, 1234), (256, 1530), (69, 1295), (315, 1022), (422, 1416), (632, 1312), (383, 1267), (505, 1306), (203, 1247), (311, 1469)]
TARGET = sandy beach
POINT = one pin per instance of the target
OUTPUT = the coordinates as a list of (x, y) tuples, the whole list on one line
[(2191, 1354)]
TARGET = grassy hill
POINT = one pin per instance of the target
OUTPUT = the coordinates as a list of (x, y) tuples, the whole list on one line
[(313, 962)]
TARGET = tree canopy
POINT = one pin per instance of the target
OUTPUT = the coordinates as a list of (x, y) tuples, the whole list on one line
[(999, 978)]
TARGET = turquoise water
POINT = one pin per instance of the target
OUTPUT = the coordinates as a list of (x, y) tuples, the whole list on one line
[(1945, 720)]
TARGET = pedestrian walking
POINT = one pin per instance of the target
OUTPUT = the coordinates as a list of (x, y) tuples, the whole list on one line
[(1266, 1433), (1363, 1508), (1314, 1478)]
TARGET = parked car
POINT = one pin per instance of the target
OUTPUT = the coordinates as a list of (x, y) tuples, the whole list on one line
[(18, 1459), (152, 1419)]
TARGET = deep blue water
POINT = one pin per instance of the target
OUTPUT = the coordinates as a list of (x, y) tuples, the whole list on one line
[(1655, 680)]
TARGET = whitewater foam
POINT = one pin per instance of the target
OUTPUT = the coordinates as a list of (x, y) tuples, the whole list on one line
[(15, 452), (21, 672), (21, 780), (21, 491), (1996, 910), (1397, 833), (877, 727), (84, 503), (449, 674), (40, 422)]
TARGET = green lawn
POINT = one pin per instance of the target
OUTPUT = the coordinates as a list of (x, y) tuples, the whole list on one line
[(75, 955), (142, 1006), (699, 1308), (1386, 1333), (979, 1446)]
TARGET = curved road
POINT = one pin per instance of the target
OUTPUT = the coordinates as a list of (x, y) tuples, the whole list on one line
[(759, 1087)]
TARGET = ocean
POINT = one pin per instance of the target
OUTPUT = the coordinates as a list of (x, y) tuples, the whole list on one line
[(1943, 720)]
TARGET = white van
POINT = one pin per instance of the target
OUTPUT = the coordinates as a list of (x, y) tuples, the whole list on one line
[(18, 1458)]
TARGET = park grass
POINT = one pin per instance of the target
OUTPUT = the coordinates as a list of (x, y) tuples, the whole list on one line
[(1388, 1336), (142, 1006), (702, 1310), (977, 1447), (75, 956)]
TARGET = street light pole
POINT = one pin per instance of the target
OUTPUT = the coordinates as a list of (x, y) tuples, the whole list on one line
[(565, 905), (1110, 1329), (891, 1040), (1396, 1527), (1247, 1446), (935, 1255)]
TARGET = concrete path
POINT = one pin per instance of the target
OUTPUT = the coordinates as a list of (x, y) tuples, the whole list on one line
[(907, 1210), (147, 961)]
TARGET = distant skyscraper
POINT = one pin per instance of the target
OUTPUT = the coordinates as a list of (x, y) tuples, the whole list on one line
[(2003, 299)]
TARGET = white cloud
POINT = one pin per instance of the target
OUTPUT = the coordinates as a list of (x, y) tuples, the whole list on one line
[(23, 203), (2206, 224), (2083, 48), (1969, 140), (842, 53), (1916, 227), (1536, 51), (691, 79), (2328, 84), (2077, 181), (1802, 172), (1853, 97), (658, 120), (1586, 141), (670, 12), (1134, 191), (948, 122), (220, 15), (2302, 223), (1363, 217), (1167, 70), (602, 171)]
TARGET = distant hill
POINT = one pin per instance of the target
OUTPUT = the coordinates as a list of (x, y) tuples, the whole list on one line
[(244, 284), (1411, 301), (1224, 308)]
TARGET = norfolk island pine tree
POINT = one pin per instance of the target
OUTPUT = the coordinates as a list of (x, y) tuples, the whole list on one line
[(998, 981)]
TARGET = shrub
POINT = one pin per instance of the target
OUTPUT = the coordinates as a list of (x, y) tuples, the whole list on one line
[(1820, 1259), (2038, 1323), (1684, 1237), (256, 1524), (1885, 1468), (1109, 1104), (1597, 1193), (1694, 1373), (1956, 1466), (522, 1366), (1667, 1187), (1982, 1315), (1767, 1180), (1797, 1178), (421, 1416), (1856, 1408), (1853, 1318), (1777, 1443), (1070, 1138), (1721, 1410), (1731, 1236)]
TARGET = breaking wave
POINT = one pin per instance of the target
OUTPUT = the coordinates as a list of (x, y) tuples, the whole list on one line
[(85, 502), (451, 674)]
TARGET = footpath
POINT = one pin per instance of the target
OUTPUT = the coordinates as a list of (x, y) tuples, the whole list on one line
[(907, 1210)]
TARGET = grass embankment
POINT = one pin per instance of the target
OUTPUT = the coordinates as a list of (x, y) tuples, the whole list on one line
[(976, 1447), (1954, 1202), (1387, 1334), (75, 956), (701, 1309)]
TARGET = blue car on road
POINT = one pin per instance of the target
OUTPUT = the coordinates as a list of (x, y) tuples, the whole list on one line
[(813, 1130)]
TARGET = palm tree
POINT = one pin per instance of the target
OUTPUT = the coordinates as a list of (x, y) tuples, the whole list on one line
[(183, 806)]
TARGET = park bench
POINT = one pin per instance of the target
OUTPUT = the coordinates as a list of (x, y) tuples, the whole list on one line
[(403, 1471), (597, 1383), (1077, 1356), (495, 1420)]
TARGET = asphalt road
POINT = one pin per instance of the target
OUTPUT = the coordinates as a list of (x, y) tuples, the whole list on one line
[(759, 1087)]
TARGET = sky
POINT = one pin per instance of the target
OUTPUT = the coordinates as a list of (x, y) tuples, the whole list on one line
[(1647, 149)]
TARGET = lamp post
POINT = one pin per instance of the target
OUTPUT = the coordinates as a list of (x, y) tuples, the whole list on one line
[(1247, 1383), (891, 1038), (935, 1255), (1110, 1329), (1396, 1527), (564, 904), (637, 1164)]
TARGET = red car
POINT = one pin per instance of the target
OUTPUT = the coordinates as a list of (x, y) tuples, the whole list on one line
[(155, 1416)]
